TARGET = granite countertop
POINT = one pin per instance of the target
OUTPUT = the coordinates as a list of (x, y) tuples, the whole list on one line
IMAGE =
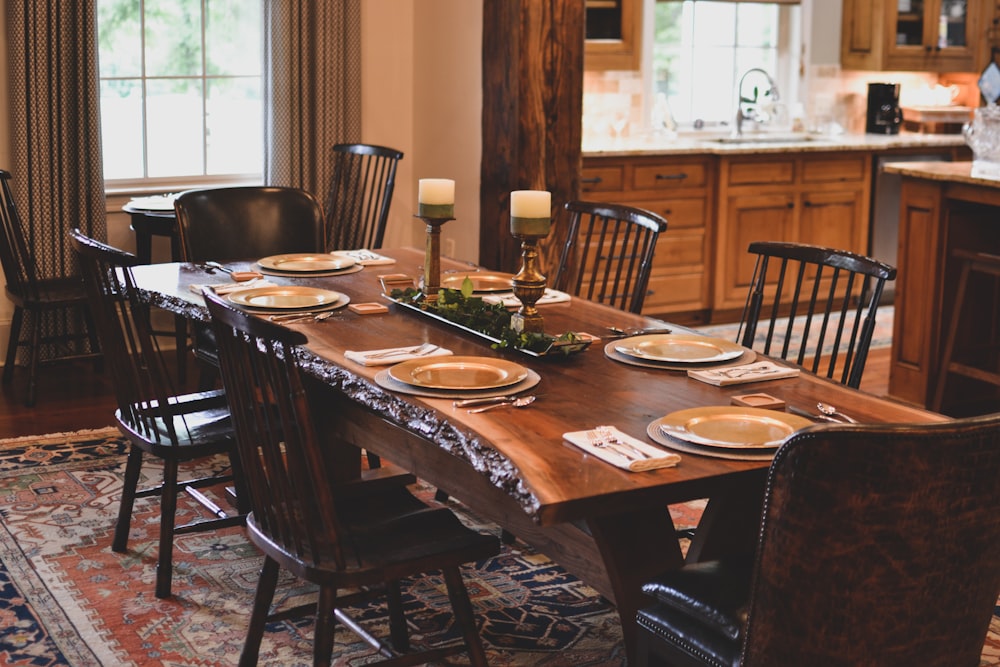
[(713, 143), (949, 172)]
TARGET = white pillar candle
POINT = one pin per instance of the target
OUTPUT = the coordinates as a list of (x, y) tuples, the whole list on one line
[(436, 191), (530, 204)]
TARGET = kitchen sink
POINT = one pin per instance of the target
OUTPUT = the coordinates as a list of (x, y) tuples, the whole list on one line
[(768, 138)]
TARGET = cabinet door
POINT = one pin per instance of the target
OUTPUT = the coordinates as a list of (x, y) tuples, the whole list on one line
[(749, 218), (614, 31), (833, 220), (933, 35)]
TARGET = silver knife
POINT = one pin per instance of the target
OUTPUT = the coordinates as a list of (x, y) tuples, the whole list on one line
[(485, 400)]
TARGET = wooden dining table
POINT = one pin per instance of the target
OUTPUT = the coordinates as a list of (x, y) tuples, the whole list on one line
[(609, 526)]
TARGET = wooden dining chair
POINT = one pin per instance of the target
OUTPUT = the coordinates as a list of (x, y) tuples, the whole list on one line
[(877, 546), (243, 223), (60, 324), (359, 195), (814, 306), (608, 253), (157, 421), (300, 520)]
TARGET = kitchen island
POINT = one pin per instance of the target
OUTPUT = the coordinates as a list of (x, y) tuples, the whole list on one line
[(944, 207), (719, 193)]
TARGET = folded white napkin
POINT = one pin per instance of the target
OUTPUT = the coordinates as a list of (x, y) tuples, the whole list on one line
[(228, 288), (755, 372), (365, 357), (366, 257), (622, 450), (510, 301)]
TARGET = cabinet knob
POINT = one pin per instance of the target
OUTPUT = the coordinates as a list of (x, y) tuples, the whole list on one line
[(790, 204)]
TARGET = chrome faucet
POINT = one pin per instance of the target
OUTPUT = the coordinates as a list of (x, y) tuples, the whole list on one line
[(749, 108)]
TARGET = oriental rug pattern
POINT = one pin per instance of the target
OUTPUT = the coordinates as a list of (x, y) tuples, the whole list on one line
[(67, 600)]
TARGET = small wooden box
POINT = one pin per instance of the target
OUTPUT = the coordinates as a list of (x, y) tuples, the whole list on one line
[(758, 400)]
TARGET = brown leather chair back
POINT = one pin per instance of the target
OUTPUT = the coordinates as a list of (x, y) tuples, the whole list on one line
[(878, 546)]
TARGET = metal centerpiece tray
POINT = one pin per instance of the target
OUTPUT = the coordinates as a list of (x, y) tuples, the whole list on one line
[(538, 345)]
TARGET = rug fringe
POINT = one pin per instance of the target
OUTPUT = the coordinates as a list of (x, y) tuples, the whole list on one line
[(109, 431)]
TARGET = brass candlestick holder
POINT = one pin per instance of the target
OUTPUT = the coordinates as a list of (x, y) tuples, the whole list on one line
[(433, 215), (529, 282)]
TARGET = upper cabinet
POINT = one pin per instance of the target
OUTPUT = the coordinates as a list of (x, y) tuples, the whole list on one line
[(614, 34), (915, 35)]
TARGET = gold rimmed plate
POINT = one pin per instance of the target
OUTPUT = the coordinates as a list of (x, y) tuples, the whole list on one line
[(458, 373), (731, 427), (482, 281), (679, 348), (307, 262), (285, 297)]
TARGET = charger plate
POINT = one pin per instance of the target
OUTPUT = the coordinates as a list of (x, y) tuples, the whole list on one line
[(679, 348), (458, 373), (654, 431), (747, 356), (306, 262), (285, 297), (482, 281), (386, 381), (732, 427)]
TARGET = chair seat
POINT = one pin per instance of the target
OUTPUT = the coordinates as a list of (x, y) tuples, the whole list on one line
[(690, 642), (201, 422), (52, 292), (714, 593)]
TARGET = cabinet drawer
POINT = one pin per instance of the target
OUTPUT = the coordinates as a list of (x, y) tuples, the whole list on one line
[(680, 292), (608, 178), (769, 173), (682, 250), (669, 176), (680, 213), (825, 171)]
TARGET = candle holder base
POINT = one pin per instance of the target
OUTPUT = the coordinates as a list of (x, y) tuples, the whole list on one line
[(431, 282), (529, 286)]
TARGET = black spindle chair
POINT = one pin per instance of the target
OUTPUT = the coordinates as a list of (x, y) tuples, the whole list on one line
[(359, 195)]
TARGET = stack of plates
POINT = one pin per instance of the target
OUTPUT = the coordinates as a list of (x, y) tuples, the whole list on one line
[(301, 264), (483, 282), (728, 432), (287, 298), (677, 351), (457, 377)]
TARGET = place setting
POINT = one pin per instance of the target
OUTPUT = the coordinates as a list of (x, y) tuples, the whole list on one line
[(287, 304), (678, 351), (457, 377), (309, 265), (727, 432)]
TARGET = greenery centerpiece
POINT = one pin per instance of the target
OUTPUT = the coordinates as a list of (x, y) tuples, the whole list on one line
[(493, 320)]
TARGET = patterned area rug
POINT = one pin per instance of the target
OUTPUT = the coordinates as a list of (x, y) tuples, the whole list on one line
[(67, 599)]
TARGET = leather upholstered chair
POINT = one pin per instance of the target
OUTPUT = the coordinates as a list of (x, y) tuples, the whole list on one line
[(814, 306), (42, 299), (608, 253), (877, 547), (306, 523), (239, 223), (156, 420), (359, 195)]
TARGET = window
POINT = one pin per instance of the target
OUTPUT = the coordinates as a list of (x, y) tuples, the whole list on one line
[(181, 90), (702, 48)]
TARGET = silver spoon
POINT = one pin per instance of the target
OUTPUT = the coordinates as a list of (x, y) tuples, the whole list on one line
[(513, 403), (831, 411)]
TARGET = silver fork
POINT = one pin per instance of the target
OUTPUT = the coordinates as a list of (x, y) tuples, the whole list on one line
[(609, 435), (597, 439), (418, 351)]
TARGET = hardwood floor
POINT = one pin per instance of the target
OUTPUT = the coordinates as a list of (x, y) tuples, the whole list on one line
[(72, 396)]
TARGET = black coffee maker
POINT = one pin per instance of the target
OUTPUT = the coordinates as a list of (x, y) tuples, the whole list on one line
[(884, 114)]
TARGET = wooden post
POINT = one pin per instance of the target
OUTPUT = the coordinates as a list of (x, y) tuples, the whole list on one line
[(532, 118)]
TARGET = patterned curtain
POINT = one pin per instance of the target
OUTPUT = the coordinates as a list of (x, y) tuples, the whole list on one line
[(312, 88), (55, 126)]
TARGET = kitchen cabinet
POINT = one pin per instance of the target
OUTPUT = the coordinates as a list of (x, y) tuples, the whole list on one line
[(679, 188), (613, 35), (915, 35), (816, 198)]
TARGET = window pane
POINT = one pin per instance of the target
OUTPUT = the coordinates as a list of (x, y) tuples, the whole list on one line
[(120, 46), (757, 25), (121, 128), (173, 37), (175, 127), (714, 23), (233, 38), (234, 127)]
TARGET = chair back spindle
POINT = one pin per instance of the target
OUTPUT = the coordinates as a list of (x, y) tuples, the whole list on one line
[(360, 193)]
